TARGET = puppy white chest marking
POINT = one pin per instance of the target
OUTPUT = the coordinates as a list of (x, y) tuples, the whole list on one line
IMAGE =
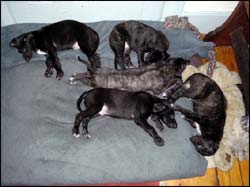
[(187, 85), (104, 110), (75, 46), (41, 52), (145, 56), (126, 45), (197, 127)]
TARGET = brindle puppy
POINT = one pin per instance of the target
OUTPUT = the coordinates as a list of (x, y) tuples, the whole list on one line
[(149, 44), (209, 111), (154, 77)]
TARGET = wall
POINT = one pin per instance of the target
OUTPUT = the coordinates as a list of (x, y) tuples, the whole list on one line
[(205, 15)]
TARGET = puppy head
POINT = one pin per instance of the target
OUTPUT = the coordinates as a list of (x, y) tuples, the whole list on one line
[(23, 44), (155, 56), (200, 86), (179, 63)]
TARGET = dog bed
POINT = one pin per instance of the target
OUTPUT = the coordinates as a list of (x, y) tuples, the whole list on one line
[(38, 113), (235, 140)]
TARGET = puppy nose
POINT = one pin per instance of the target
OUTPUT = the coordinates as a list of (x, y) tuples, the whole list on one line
[(12, 43)]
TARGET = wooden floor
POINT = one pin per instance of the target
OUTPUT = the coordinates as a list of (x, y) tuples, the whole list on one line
[(239, 174)]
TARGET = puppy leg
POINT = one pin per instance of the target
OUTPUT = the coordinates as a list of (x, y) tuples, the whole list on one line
[(56, 64), (157, 121), (127, 59), (117, 44), (204, 146), (84, 117), (191, 122), (85, 122), (142, 122), (119, 61), (168, 118), (140, 57), (189, 114), (49, 70), (85, 78), (94, 60), (93, 57), (175, 85), (177, 93)]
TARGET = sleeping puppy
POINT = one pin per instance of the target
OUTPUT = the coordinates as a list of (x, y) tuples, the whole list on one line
[(137, 106), (155, 78), (67, 34), (149, 44), (209, 111)]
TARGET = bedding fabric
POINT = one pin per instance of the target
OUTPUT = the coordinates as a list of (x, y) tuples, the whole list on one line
[(37, 115)]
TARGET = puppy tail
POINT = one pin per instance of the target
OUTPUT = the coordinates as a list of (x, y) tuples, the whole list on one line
[(79, 101), (87, 64)]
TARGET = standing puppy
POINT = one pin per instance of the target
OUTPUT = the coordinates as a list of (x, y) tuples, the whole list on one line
[(149, 44), (67, 34), (209, 111), (137, 106)]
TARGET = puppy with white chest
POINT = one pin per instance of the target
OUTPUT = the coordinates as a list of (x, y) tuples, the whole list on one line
[(209, 111), (59, 36), (137, 106)]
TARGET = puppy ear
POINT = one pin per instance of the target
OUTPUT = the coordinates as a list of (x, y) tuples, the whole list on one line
[(13, 43), (28, 37)]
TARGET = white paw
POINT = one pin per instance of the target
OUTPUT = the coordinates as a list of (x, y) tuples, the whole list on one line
[(76, 135), (72, 80), (72, 83), (87, 136)]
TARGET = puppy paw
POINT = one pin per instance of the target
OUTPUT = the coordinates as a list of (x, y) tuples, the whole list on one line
[(160, 126), (197, 140), (75, 132), (72, 80), (76, 135), (159, 141), (88, 136), (48, 73), (172, 125), (59, 75)]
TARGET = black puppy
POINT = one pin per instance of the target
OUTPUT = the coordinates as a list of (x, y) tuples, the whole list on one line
[(137, 106), (209, 111), (67, 34), (149, 44)]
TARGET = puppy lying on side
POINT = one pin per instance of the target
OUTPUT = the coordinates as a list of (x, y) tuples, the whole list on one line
[(149, 44), (154, 77), (209, 111), (67, 34), (137, 106)]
